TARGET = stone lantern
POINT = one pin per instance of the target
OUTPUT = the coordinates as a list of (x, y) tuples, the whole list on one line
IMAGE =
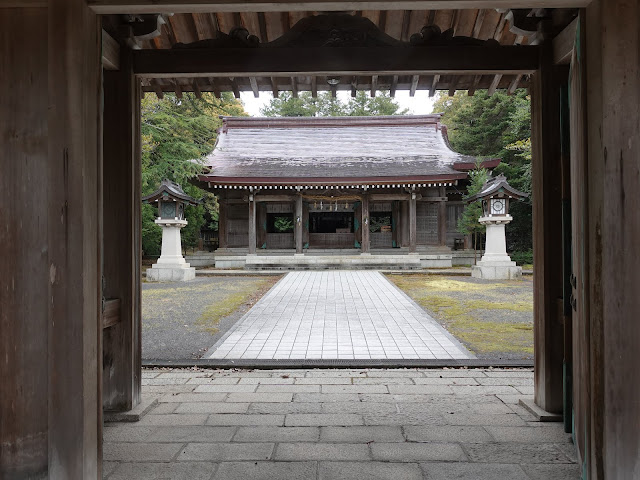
[(495, 196), (171, 265)]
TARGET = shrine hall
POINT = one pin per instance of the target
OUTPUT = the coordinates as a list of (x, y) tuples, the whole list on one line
[(340, 185)]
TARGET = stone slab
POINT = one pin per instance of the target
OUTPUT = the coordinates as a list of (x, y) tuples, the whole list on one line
[(539, 413), (147, 403)]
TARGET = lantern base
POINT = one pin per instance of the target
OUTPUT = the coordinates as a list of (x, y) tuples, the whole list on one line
[(171, 273), (503, 269)]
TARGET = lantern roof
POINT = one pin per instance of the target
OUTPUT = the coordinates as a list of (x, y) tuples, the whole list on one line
[(494, 186), (170, 191)]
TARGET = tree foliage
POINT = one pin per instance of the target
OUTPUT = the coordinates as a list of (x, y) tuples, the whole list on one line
[(327, 106), (497, 126), (176, 135)]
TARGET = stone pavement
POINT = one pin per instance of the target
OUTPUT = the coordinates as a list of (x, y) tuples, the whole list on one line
[(392, 424), (337, 315)]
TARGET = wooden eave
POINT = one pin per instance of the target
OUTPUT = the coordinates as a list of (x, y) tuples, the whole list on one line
[(244, 72), (316, 181), (468, 166)]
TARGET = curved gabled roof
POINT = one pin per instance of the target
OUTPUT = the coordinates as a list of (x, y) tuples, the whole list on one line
[(173, 190), (495, 185), (383, 149)]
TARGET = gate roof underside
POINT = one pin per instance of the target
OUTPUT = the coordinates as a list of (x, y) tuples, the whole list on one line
[(335, 150), (505, 27)]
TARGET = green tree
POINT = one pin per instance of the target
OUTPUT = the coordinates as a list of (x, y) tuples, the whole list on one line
[(497, 126), (327, 106), (176, 135), (468, 223)]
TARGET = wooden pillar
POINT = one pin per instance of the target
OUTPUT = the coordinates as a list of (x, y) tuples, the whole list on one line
[(252, 224), (222, 220), (442, 218), (365, 223), (122, 352), (24, 283), (305, 225), (74, 170), (298, 224), (395, 218), (547, 230), (613, 100), (261, 233), (412, 224)]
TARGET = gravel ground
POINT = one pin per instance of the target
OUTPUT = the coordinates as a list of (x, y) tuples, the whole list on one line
[(180, 320), (493, 319)]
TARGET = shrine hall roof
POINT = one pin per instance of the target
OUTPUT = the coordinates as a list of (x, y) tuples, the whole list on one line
[(328, 150)]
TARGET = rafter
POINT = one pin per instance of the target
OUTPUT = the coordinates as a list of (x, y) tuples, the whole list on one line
[(374, 85), (394, 86), (513, 85), (294, 87), (314, 86), (414, 85), (274, 87), (474, 85), (434, 85), (494, 84), (254, 86)]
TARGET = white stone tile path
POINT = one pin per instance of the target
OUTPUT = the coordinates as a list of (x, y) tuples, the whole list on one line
[(337, 315)]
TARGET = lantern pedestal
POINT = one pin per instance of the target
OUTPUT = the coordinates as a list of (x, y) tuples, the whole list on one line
[(495, 263), (171, 266)]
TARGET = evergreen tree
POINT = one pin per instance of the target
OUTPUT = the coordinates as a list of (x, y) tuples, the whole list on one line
[(176, 134), (327, 106), (497, 126), (468, 223)]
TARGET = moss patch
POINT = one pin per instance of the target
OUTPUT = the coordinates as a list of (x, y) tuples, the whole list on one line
[(210, 318), (459, 306)]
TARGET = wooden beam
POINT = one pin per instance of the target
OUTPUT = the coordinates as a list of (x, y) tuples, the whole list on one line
[(354, 86), (434, 85), (563, 44), (294, 87), (366, 222), (494, 84), (414, 85), (190, 6), (374, 85), (274, 87), (110, 52), (440, 60), (394, 86), (474, 86), (254, 86)]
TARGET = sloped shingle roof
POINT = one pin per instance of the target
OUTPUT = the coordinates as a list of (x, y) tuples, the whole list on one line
[(335, 149)]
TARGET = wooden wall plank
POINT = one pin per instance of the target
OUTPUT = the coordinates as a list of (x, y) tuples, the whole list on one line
[(73, 171), (23, 236)]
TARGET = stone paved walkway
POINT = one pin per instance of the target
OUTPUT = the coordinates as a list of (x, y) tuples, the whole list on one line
[(337, 315), (404, 424)]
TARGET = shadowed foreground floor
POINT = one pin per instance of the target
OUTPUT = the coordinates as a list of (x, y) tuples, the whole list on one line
[(324, 424)]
